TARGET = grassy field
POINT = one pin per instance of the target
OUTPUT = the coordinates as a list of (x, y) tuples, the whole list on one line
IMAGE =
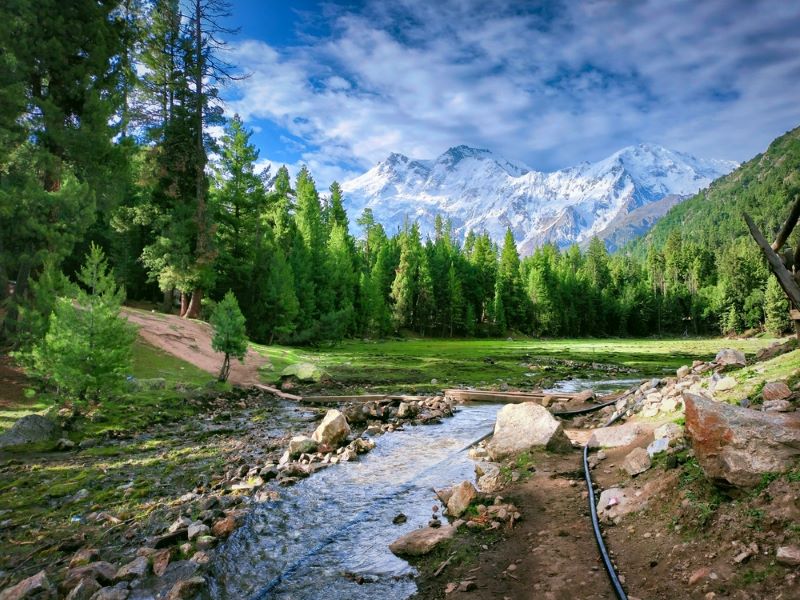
[(412, 364)]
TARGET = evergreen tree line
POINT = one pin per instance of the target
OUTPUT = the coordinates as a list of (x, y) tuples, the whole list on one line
[(103, 140)]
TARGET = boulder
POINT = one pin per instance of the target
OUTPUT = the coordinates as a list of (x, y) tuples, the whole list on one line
[(304, 372), (104, 572), (637, 461), (725, 384), (84, 590), (776, 390), (459, 500), (521, 427), (111, 593), (30, 429), (671, 431), (187, 589), (738, 445), (333, 430), (657, 446), (36, 586), (777, 406), (730, 358), (616, 435), (421, 541), (301, 444), (197, 529), (136, 569), (788, 555), (488, 474)]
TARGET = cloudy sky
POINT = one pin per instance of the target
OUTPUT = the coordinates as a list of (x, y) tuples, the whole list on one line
[(339, 85)]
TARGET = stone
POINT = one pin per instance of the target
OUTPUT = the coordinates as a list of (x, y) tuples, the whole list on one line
[(444, 494), (111, 593), (656, 446), (683, 371), (637, 461), (522, 427), (778, 406), (671, 431), (488, 476), (83, 557), (669, 405), (301, 444), (459, 501), (776, 390), (738, 445), (583, 397), (467, 586), (304, 373), (224, 527), (201, 558), (616, 435), (206, 542), (85, 589), (333, 430), (179, 523), (725, 384), (788, 555), (135, 569), (65, 444), (161, 560), (38, 586), (729, 357), (421, 541), (196, 529), (699, 575), (187, 589), (169, 539), (104, 572), (30, 429)]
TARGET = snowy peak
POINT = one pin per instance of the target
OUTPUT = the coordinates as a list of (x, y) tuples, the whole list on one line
[(479, 190)]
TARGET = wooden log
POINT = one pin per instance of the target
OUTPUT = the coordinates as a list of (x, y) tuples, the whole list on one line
[(785, 278), (514, 397), (787, 228), (276, 392), (342, 399)]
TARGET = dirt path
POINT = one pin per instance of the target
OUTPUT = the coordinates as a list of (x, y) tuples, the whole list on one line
[(551, 554), (190, 340)]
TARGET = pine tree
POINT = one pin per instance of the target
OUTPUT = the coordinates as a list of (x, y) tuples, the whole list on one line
[(88, 348), (776, 308), (509, 285), (230, 336)]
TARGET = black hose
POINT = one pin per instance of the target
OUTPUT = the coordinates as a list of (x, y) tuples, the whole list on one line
[(598, 534)]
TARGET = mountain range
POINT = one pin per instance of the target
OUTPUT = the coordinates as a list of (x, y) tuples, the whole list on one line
[(617, 199)]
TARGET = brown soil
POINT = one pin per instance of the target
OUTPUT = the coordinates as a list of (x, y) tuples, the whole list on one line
[(555, 557), (190, 340)]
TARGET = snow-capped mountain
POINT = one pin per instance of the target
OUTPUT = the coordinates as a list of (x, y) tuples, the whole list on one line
[(479, 190)]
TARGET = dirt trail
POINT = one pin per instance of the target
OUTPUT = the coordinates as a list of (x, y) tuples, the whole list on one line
[(551, 554), (190, 340)]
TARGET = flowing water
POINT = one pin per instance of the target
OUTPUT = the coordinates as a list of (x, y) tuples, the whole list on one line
[(336, 526)]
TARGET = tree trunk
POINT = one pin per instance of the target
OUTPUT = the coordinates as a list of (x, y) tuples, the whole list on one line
[(184, 304), (193, 311), (226, 368), (166, 304)]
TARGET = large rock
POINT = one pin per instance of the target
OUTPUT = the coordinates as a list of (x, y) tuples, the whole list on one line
[(637, 461), (421, 541), (521, 427), (301, 444), (333, 429), (304, 372), (102, 571), (616, 435), (776, 390), (728, 357), (489, 478), (37, 586), (738, 445), (136, 569), (30, 429), (459, 500)]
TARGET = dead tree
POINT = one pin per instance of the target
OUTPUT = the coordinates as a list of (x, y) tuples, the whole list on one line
[(784, 265)]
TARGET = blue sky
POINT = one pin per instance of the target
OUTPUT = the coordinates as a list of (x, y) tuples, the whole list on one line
[(340, 85)]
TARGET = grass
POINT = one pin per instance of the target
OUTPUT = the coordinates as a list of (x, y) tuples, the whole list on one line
[(413, 363), (752, 378), (150, 362)]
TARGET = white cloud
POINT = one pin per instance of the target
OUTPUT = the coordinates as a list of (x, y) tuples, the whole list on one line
[(550, 86)]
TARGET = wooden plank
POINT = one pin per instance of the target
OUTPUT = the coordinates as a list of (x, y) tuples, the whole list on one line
[(787, 228), (784, 277), (517, 397), (277, 392), (342, 399)]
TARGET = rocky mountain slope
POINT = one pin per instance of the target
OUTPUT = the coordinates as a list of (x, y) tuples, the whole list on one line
[(617, 198)]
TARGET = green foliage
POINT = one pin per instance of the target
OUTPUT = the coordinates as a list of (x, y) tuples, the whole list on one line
[(776, 308), (86, 352), (230, 336)]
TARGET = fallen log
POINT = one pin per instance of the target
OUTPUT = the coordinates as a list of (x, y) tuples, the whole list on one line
[(277, 392), (342, 399), (785, 278)]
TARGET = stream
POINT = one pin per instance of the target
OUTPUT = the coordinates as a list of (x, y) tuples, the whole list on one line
[(334, 528)]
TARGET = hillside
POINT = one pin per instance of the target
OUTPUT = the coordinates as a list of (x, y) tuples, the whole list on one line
[(713, 217)]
